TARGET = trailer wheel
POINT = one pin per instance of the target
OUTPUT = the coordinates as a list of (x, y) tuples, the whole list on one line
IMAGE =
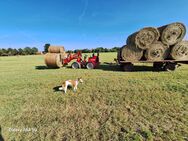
[(75, 65), (90, 66), (128, 67), (158, 65), (170, 66)]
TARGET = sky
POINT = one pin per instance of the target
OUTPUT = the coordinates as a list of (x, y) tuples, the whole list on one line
[(78, 24)]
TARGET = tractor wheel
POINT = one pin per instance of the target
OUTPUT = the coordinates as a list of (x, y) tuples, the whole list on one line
[(158, 66), (75, 65), (90, 66)]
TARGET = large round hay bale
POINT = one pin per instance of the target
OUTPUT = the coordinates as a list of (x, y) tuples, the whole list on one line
[(144, 37), (180, 51), (53, 60), (172, 33), (63, 55), (131, 53), (157, 52), (56, 49)]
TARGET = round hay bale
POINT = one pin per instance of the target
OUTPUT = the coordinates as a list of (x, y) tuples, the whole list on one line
[(131, 53), (180, 51), (144, 37), (63, 55), (56, 49), (157, 52), (53, 60), (172, 33)]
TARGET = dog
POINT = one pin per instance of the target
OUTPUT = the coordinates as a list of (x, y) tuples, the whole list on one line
[(72, 83)]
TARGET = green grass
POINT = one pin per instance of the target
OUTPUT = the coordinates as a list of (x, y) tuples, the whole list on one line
[(109, 105)]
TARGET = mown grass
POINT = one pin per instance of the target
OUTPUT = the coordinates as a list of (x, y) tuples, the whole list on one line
[(109, 105)]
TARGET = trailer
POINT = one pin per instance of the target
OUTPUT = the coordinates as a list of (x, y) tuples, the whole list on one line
[(163, 65)]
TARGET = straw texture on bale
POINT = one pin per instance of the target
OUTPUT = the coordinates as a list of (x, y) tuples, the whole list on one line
[(56, 49), (157, 52), (63, 55), (144, 37), (180, 51), (53, 60), (131, 53), (172, 33)]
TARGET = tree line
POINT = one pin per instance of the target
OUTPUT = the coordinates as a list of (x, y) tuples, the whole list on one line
[(98, 49), (20, 51), (34, 50)]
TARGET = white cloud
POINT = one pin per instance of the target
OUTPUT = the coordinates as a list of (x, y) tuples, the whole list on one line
[(86, 3)]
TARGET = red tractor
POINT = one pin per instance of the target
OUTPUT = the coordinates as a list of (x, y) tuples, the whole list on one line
[(91, 63)]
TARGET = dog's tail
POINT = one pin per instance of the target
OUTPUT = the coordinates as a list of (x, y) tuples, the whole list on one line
[(60, 88)]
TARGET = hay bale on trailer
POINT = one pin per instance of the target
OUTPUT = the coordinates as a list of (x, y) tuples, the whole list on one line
[(172, 33), (144, 38), (56, 49), (157, 52), (180, 51), (53, 60), (131, 53)]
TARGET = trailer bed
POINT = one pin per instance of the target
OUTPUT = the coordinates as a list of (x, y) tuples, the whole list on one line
[(147, 61), (169, 65)]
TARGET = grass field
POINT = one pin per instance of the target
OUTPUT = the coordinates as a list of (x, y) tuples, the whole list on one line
[(109, 105)]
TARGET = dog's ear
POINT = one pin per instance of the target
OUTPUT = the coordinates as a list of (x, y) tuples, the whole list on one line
[(79, 78)]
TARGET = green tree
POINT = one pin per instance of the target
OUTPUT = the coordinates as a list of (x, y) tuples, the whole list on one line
[(14, 52), (9, 51), (27, 51), (1, 52), (34, 50), (86, 51), (46, 46), (69, 51), (4, 52), (20, 51)]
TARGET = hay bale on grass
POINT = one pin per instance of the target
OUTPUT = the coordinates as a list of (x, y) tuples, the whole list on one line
[(180, 51), (53, 60), (63, 55), (131, 53), (144, 37), (157, 52), (56, 49), (172, 33)]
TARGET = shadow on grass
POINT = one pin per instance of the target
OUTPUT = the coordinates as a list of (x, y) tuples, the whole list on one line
[(109, 67), (135, 69), (56, 89), (1, 137), (43, 68)]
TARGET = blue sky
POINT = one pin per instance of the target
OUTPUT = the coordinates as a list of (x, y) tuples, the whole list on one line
[(82, 23)]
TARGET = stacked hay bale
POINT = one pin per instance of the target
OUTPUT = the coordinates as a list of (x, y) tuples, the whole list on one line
[(54, 57), (156, 44)]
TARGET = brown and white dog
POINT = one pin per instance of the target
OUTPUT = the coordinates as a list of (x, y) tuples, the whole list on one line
[(72, 83)]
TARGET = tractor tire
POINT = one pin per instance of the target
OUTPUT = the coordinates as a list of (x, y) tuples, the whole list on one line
[(90, 66), (158, 66), (75, 65)]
